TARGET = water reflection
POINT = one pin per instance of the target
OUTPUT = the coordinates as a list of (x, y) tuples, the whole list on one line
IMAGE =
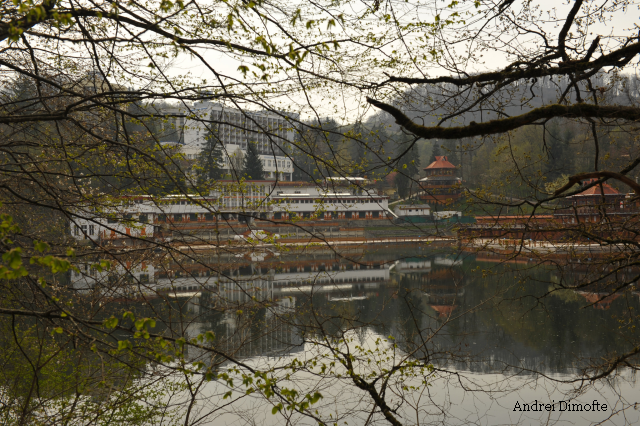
[(498, 315), (462, 312)]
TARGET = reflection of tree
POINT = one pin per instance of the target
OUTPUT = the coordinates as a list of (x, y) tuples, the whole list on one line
[(410, 313)]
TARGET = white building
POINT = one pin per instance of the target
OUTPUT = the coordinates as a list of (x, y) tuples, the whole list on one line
[(270, 131), (139, 216), (413, 210)]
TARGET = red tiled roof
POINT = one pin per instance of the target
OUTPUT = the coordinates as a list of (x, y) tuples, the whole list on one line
[(440, 163), (595, 190)]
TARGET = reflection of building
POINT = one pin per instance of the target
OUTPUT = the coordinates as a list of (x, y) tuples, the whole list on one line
[(211, 294), (234, 280), (121, 281), (599, 300), (243, 283), (413, 265), (444, 290), (268, 334), (257, 332), (441, 185)]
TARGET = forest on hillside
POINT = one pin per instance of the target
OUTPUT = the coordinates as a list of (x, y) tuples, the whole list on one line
[(527, 162)]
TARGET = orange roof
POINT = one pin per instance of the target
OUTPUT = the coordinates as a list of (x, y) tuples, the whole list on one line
[(595, 190), (440, 163), (599, 301), (443, 310)]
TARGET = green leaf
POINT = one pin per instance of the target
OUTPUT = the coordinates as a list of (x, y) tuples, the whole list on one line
[(40, 246), (111, 322), (296, 16), (13, 258)]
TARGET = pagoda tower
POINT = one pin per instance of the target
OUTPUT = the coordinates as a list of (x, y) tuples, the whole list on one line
[(441, 185)]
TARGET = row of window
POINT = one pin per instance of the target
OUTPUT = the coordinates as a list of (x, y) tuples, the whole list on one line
[(194, 217), (143, 218), (331, 200), (79, 230), (280, 163), (441, 191), (334, 215), (432, 172)]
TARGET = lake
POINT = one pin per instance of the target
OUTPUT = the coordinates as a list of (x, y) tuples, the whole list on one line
[(482, 340)]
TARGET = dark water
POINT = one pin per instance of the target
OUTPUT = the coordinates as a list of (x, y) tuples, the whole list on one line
[(498, 334)]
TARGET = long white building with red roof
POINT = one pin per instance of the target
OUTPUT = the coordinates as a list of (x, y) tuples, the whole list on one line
[(233, 202)]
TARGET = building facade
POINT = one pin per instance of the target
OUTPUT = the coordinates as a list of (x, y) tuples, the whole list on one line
[(441, 184), (589, 205), (235, 129), (406, 210), (140, 216)]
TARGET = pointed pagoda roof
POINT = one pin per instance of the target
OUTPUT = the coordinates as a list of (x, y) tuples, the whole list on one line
[(440, 163)]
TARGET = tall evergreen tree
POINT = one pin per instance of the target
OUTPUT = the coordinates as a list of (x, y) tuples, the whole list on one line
[(252, 168), (404, 180), (437, 150), (211, 158), (25, 97)]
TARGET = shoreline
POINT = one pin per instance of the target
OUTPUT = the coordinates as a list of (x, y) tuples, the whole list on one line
[(319, 243)]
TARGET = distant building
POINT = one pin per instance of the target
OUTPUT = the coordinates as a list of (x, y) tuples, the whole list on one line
[(413, 210), (270, 131), (594, 195), (140, 216), (587, 205), (441, 184), (448, 214)]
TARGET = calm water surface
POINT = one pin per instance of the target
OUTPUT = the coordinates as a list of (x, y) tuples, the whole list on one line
[(494, 342)]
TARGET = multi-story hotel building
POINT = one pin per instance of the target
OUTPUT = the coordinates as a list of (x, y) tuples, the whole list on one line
[(235, 129)]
